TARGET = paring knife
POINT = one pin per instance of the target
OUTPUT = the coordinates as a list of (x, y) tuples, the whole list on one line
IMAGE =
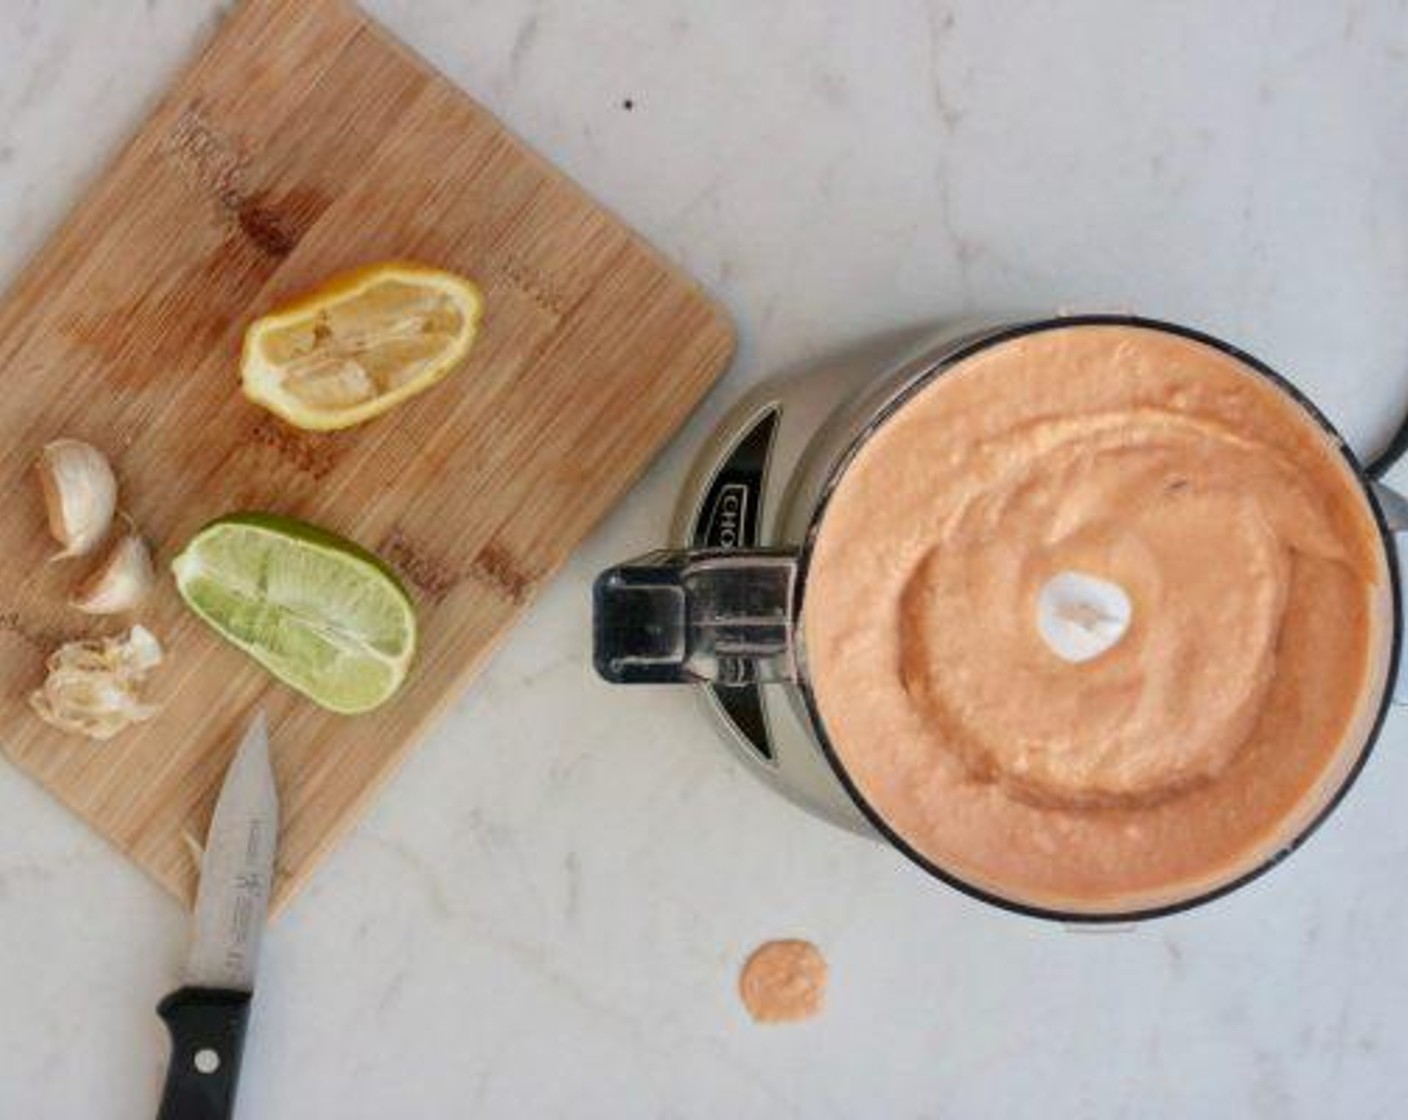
[(207, 1017)]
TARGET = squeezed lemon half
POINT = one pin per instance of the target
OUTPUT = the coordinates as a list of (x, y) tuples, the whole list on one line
[(359, 344)]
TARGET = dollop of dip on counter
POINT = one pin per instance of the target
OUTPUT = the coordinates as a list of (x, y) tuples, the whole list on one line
[(783, 981), (1170, 477)]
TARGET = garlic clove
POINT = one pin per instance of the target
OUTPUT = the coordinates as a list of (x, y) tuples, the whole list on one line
[(120, 582), (80, 494)]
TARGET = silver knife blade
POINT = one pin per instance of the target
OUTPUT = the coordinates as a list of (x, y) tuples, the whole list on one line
[(237, 870)]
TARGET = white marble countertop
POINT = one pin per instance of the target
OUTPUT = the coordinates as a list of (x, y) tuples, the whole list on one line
[(544, 914)]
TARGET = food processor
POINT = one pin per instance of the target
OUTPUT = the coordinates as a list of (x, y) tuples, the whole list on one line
[(718, 609)]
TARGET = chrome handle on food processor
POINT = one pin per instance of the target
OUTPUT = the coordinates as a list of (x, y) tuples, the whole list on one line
[(691, 617)]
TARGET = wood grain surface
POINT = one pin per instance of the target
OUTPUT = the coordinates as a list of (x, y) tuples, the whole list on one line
[(303, 141)]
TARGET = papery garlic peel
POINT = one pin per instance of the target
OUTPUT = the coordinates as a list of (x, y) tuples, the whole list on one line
[(94, 685)]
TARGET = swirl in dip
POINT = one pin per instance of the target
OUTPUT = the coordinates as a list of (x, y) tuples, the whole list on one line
[(1251, 659)]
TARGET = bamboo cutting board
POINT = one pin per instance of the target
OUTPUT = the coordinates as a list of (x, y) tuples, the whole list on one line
[(306, 140)]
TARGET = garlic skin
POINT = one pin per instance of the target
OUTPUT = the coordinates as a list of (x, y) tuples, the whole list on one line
[(141, 651), (94, 684), (80, 494), (120, 582)]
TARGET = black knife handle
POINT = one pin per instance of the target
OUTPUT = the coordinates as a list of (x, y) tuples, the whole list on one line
[(207, 1039)]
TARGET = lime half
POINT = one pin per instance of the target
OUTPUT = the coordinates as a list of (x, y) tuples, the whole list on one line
[(323, 615)]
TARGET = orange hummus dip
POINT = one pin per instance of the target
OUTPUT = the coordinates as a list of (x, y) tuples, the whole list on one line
[(783, 982), (1253, 655)]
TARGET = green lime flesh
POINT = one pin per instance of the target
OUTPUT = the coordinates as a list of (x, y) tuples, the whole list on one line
[(320, 613)]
